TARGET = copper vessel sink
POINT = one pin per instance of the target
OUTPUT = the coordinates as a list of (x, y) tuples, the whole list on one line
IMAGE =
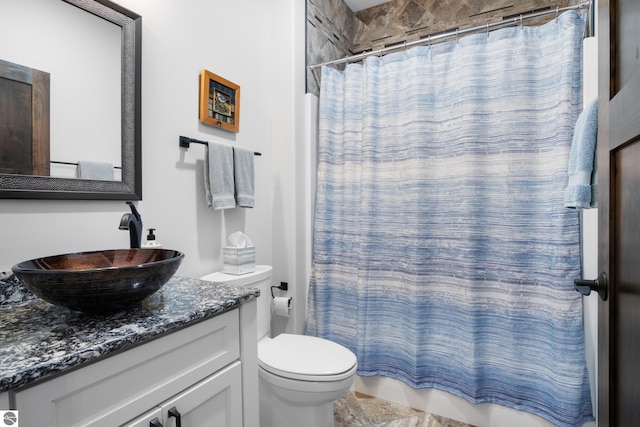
[(99, 282)]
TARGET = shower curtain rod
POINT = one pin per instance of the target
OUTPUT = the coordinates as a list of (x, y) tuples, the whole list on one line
[(431, 38)]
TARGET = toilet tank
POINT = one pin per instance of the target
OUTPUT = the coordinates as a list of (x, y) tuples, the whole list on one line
[(261, 279)]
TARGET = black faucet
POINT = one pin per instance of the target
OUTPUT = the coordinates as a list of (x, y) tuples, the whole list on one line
[(132, 222)]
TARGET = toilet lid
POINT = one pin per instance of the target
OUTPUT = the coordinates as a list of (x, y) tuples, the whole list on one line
[(306, 358)]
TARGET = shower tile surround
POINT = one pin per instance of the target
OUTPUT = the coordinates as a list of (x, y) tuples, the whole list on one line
[(360, 410), (334, 31)]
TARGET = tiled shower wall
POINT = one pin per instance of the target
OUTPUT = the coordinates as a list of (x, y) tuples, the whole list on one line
[(333, 31)]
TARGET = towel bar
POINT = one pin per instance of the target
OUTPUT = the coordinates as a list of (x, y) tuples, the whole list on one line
[(74, 164), (186, 142)]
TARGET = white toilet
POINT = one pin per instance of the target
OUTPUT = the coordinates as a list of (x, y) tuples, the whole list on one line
[(300, 376)]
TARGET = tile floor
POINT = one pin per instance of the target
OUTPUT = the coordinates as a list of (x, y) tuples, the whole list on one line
[(359, 410)]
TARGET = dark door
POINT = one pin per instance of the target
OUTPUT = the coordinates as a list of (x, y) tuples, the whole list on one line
[(24, 120), (619, 212)]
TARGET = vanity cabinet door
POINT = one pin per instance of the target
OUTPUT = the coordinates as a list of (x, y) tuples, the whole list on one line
[(214, 401), (150, 419)]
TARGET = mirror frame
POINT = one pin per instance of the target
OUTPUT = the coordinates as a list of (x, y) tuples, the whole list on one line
[(130, 187)]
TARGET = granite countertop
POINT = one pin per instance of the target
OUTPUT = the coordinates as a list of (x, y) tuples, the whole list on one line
[(38, 339)]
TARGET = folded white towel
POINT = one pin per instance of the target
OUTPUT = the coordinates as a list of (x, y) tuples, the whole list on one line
[(218, 175), (244, 177), (581, 191), (101, 171)]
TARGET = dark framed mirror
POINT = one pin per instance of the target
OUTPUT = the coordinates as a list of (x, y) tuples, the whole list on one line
[(128, 184)]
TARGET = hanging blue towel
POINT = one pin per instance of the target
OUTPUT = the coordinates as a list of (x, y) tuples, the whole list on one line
[(581, 191), (244, 177), (218, 176)]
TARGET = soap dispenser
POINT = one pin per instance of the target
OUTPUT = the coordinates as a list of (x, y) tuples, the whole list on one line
[(151, 242)]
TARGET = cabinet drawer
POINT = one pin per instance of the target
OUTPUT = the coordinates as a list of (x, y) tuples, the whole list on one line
[(123, 386)]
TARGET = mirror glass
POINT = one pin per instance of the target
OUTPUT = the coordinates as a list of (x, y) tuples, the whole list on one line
[(91, 51)]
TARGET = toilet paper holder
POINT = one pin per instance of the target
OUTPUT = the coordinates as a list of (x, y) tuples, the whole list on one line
[(284, 286)]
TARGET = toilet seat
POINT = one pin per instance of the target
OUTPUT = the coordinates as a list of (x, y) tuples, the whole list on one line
[(306, 358)]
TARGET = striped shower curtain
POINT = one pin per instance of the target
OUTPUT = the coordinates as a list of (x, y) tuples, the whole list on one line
[(443, 255)]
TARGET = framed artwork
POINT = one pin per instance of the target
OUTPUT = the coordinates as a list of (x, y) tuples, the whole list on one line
[(219, 102)]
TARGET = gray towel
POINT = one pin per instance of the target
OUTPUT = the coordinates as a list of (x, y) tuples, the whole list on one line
[(218, 175), (101, 171), (244, 177)]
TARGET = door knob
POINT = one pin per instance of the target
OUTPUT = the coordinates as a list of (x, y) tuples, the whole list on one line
[(599, 285)]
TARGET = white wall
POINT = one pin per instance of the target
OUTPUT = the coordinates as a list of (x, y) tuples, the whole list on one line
[(590, 235), (288, 58), (253, 43)]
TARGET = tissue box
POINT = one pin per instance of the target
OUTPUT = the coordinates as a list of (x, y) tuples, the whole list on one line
[(239, 260)]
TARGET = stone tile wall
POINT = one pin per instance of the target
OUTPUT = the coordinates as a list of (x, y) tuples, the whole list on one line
[(334, 31)]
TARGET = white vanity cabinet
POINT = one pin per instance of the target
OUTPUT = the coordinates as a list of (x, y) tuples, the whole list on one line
[(206, 372), (215, 401)]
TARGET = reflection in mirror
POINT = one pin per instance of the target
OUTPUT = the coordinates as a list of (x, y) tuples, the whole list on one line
[(91, 51), (24, 120)]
